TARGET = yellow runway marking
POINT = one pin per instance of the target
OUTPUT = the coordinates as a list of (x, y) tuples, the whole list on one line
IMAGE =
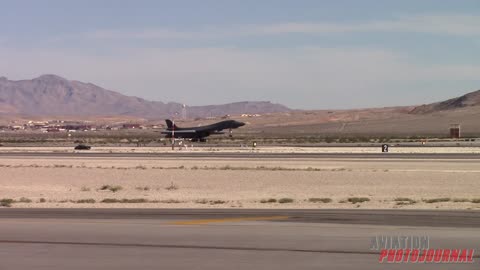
[(220, 220)]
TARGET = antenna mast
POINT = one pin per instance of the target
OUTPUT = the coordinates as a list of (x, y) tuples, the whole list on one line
[(184, 112)]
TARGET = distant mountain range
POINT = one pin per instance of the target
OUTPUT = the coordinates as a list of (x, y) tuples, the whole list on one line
[(51, 95)]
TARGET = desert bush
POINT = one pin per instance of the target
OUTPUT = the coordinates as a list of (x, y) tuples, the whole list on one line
[(171, 201), (85, 201), (111, 188), (217, 202), (137, 200), (112, 200), (437, 200), (322, 200), (6, 202), (286, 200), (24, 200), (202, 201), (358, 199), (407, 200)]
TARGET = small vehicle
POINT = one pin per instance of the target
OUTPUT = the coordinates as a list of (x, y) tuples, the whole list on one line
[(82, 147)]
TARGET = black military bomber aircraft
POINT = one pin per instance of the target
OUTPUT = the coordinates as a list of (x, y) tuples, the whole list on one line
[(199, 133)]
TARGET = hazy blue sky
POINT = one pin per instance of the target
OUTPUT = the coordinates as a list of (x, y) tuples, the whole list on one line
[(304, 54)]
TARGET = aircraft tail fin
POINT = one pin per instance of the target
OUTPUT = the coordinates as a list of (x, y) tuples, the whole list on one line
[(170, 124)]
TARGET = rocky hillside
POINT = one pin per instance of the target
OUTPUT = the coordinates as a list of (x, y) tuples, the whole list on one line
[(469, 100)]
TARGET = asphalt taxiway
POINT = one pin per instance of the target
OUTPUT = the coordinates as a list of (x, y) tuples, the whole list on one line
[(222, 239), (244, 155)]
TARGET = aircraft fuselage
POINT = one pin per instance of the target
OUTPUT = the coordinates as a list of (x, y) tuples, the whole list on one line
[(201, 132)]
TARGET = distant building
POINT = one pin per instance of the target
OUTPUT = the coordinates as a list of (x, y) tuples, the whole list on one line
[(53, 130), (131, 126), (250, 115), (76, 127), (455, 131)]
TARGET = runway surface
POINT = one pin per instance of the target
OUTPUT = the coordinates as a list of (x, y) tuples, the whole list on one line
[(222, 239), (250, 155)]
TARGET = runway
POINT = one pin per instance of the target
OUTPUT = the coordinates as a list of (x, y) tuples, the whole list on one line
[(244, 155), (222, 239)]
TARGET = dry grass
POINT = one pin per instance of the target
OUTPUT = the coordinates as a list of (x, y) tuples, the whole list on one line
[(322, 200), (6, 202), (111, 188), (265, 168), (169, 201), (355, 200), (112, 200), (202, 201), (24, 200), (171, 187), (404, 201), (271, 200), (286, 200), (217, 202), (85, 201), (437, 200)]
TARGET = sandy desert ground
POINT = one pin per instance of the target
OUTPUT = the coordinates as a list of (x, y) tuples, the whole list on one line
[(236, 182), (262, 149)]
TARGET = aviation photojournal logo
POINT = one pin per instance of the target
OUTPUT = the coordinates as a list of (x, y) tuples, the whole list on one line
[(416, 249)]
